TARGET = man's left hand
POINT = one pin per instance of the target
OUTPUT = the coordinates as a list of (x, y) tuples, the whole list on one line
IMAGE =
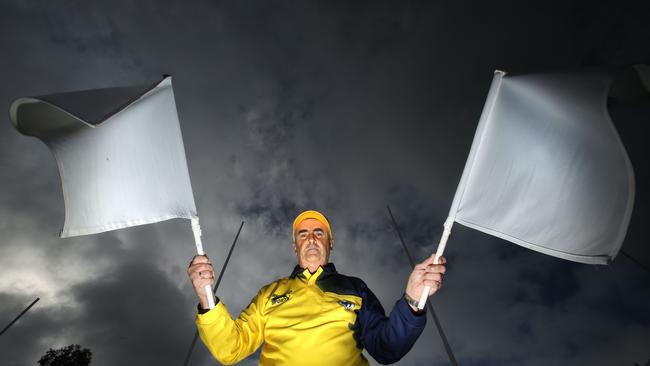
[(425, 274)]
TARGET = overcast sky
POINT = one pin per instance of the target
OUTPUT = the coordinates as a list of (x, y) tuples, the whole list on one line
[(339, 106)]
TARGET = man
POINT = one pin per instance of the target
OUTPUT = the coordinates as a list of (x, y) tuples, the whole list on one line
[(316, 316)]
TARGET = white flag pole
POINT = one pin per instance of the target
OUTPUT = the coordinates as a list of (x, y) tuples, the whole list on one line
[(196, 229), (441, 249), (478, 136)]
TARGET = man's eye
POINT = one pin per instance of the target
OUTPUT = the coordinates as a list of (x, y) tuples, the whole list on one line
[(319, 234)]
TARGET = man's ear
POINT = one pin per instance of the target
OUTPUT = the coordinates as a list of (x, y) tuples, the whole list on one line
[(332, 244)]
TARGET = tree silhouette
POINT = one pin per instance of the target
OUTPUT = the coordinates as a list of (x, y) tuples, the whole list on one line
[(72, 355)]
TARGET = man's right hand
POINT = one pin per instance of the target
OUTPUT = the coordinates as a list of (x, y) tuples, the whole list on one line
[(201, 274)]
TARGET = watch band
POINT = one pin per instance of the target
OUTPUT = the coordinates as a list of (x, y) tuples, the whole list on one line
[(411, 301)]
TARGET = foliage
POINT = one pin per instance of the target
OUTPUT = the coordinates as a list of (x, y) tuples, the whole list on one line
[(72, 355)]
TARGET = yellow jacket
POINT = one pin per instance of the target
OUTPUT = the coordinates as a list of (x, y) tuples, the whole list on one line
[(323, 318)]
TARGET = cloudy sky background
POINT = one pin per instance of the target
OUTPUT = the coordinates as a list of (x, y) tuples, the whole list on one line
[(340, 106)]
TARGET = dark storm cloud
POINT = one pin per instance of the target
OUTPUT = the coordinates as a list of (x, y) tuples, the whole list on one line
[(136, 316), (338, 106), (132, 314), (33, 332)]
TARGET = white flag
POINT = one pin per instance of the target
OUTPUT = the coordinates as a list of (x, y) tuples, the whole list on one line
[(547, 169), (119, 151)]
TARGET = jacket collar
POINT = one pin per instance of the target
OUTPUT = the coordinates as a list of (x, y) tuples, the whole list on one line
[(328, 268)]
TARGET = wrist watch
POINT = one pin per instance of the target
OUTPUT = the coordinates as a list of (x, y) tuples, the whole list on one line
[(411, 301)]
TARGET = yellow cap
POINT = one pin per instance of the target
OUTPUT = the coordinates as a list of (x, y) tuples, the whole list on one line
[(311, 214)]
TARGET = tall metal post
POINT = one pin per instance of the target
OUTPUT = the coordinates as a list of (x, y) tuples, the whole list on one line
[(216, 286), (445, 342)]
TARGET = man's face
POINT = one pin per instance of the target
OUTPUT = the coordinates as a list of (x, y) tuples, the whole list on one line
[(312, 244)]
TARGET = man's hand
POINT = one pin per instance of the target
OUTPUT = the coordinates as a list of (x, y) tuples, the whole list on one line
[(201, 274), (425, 274)]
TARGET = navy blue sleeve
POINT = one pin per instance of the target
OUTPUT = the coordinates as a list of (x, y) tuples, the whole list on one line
[(388, 339)]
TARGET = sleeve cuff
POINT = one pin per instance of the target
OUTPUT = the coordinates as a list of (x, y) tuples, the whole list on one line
[(201, 310), (211, 315), (413, 318)]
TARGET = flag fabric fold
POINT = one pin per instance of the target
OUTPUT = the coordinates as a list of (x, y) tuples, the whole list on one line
[(119, 152)]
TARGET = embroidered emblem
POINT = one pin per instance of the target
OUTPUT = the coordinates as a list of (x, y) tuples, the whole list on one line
[(279, 299), (347, 305)]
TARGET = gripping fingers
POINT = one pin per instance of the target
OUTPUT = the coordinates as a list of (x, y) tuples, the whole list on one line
[(433, 286), (428, 262), (433, 277), (199, 259), (202, 267), (201, 272), (206, 275), (199, 267), (439, 268)]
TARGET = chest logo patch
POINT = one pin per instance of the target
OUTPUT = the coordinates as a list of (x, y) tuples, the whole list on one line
[(347, 305), (279, 299)]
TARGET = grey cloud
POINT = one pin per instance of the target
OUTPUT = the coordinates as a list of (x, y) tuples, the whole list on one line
[(338, 106), (135, 316), (30, 337)]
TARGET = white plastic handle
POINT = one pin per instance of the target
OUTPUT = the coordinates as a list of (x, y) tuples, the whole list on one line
[(441, 249), (196, 229), (210, 295)]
